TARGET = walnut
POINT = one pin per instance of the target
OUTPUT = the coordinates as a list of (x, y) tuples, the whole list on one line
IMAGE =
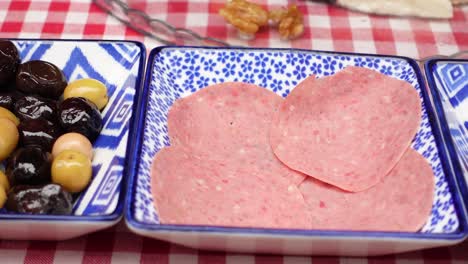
[(245, 16), (290, 22), (275, 16)]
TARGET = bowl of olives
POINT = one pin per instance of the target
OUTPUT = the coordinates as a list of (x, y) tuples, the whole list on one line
[(65, 122)]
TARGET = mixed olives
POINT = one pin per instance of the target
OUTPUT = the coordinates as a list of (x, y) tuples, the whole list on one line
[(5, 113), (29, 166), (9, 138), (7, 100), (91, 89), (72, 170), (9, 61), (42, 78), (46, 199), (47, 130), (78, 114), (34, 107), (39, 132)]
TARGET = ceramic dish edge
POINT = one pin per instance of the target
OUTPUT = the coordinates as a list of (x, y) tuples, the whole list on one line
[(444, 128), (163, 230), (87, 223)]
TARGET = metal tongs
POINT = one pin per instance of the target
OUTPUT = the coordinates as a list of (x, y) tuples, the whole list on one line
[(154, 28)]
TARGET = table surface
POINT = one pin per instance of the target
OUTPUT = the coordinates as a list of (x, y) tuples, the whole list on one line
[(326, 28)]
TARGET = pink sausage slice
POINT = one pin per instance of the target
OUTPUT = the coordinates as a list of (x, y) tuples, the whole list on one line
[(349, 129), (229, 122), (223, 115), (401, 202), (188, 189)]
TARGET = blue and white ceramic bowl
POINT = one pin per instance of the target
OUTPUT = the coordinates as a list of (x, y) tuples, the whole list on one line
[(119, 65), (448, 83), (175, 72)]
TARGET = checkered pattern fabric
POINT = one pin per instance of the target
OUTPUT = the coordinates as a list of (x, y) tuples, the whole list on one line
[(117, 245), (326, 28)]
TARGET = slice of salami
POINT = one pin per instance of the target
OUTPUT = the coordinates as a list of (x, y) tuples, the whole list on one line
[(188, 189), (348, 129), (401, 202), (229, 123)]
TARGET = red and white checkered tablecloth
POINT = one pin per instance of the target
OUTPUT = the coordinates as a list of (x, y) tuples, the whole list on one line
[(326, 28)]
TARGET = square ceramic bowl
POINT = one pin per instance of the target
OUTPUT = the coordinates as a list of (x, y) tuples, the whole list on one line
[(119, 65), (175, 72), (448, 84)]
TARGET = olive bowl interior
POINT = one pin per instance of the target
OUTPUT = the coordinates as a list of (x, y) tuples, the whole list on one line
[(119, 65)]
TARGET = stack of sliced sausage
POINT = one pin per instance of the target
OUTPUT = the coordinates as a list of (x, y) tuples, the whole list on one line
[(335, 154)]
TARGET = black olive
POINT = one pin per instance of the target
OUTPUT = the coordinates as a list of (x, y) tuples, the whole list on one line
[(38, 132), (41, 78), (7, 100), (34, 107), (29, 166), (78, 114), (9, 61), (47, 199)]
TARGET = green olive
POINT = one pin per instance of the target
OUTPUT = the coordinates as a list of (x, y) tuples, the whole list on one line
[(72, 170), (9, 137), (9, 115), (3, 197), (91, 89), (73, 141), (4, 183)]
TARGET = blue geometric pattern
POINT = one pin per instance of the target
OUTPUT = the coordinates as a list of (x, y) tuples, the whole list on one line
[(455, 81), (126, 55), (116, 64), (460, 136), (30, 49), (109, 188), (79, 67), (452, 83), (178, 72)]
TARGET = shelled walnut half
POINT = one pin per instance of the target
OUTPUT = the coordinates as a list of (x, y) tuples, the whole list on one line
[(247, 17), (289, 21)]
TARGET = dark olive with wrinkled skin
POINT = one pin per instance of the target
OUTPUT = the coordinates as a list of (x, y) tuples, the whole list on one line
[(9, 61), (42, 78), (9, 97), (46, 199), (34, 107), (78, 114), (7, 100), (29, 166), (38, 132)]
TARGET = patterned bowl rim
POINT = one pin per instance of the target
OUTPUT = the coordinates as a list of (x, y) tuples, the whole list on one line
[(118, 212), (430, 70), (135, 156)]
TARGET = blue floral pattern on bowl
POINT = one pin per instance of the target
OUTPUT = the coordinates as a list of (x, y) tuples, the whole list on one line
[(178, 72), (118, 65)]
